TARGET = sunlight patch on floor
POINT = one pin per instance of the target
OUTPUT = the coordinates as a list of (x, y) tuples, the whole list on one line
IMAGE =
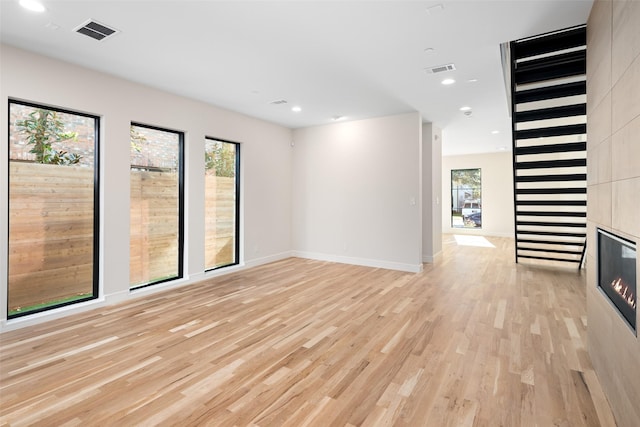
[(478, 241)]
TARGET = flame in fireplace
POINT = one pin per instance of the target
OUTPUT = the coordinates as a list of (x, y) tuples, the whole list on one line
[(623, 290)]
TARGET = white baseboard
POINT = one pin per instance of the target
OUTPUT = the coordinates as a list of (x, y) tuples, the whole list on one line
[(148, 290), (266, 260), (53, 314), (389, 265), (430, 259), (197, 277)]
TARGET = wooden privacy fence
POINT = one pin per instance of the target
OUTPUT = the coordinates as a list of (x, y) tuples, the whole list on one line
[(51, 229), (154, 224), (220, 206), (50, 233), (153, 243)]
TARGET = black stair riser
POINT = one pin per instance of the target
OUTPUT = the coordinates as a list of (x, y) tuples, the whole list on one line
[(552, 214), (550, 242), (550, 258), (552, 113), (550, 92), (557, 60), (551, 233), (553, 251), (552, 72), (552, 148), (551, 203), (548, 132), (549, 164), (551, 67), (552, 224), (552, 178), (573, 190), (550, 43)]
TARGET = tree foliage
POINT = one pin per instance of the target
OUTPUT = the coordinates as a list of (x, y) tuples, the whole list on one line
[(44, 128), (221, 159), (136, 139), (469, 179)]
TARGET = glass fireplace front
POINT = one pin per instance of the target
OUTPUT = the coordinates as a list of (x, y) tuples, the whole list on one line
[(617, 273)]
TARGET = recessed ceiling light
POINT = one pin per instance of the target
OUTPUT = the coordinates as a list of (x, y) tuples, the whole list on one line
[(32, 5), (472, 80), (448, 82), (495, 132), (429, 50), (336, 118), (296, 109), (465, 108)]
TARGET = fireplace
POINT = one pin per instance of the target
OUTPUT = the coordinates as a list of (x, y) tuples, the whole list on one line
[(617, 274)]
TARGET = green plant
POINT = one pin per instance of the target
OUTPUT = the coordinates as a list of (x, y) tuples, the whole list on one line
[(221, 159), (137, 139), (469, 178), (44, 128)]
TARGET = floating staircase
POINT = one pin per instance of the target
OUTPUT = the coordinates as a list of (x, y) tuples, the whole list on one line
[(548, 101)]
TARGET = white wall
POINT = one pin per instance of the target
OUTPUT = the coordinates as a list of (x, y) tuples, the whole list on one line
[(497, 192), (265, 156), (356, 192), (432, 192)]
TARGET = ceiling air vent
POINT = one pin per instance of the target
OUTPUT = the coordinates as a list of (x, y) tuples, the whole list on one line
[(278, 102), (95, 30), (440, 69)]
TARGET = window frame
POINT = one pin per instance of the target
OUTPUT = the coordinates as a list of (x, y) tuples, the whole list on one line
[(236, 250), (96, 206), (461, 207), (181, 212)]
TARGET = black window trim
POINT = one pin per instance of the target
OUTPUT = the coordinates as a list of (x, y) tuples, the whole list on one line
[(181, 212), (96, 205), (237, 206), (451, 195)]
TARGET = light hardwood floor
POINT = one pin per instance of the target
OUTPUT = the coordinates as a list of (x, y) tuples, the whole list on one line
[(474, 340)]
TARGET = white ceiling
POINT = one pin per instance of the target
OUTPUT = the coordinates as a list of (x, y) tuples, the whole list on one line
[(356, 59)]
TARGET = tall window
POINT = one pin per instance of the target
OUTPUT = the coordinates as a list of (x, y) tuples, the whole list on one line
[(221, 203), (53, 208), (466, 198), (156, 237)]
